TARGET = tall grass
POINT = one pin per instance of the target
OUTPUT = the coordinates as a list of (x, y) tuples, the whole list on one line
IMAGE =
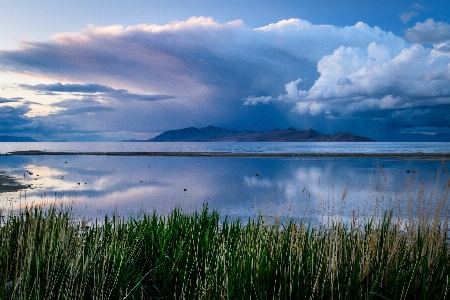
[(52, 254)]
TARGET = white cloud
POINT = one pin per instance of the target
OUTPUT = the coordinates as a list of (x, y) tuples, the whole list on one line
[(291, 87), (296, 24), (302, 38), (375, 78), (429, 32), (257, 100), (311, 107)]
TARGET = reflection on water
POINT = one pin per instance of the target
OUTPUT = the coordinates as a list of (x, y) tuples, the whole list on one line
[(238, 187)]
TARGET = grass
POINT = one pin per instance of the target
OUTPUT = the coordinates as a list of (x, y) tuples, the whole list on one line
[(52, 254)]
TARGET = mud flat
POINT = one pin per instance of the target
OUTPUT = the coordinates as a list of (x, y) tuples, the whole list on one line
[(9, 184)]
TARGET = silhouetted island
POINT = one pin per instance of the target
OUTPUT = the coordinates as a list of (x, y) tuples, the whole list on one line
[(217, 134), (15, 139)]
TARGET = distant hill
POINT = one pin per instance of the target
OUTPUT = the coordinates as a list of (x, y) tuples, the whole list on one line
[(7, 138), (217, 134)]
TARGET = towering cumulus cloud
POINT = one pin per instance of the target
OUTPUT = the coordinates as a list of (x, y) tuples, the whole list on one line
[(201, 71), (374, 78)]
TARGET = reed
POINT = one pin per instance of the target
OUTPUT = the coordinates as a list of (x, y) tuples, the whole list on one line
[(50, 253)]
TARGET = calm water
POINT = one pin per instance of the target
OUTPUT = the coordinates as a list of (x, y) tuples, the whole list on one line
[(364, 148), (298, 187)]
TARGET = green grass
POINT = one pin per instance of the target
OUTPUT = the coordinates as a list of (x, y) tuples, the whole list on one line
[(52, 254)]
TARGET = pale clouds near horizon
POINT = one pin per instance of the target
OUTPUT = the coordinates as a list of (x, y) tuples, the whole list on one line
[(201, 70)]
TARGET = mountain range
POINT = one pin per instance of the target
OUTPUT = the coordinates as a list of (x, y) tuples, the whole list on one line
[(15, 139), (217, 134)]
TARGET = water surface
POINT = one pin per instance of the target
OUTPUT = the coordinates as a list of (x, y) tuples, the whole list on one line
[(306, 147), (300, 187)]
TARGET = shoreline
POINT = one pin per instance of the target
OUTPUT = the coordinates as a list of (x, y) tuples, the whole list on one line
[(9, 184), (416, 155)]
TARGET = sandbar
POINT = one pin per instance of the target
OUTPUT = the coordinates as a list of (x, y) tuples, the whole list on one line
[(406, 155)]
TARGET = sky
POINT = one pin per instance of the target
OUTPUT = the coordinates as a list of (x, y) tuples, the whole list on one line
[(111, 70)]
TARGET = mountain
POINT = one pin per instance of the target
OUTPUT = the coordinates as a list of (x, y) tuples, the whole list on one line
[(7, 138), (217, 134)]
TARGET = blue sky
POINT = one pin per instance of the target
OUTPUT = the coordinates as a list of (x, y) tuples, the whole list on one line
[(109, 70)]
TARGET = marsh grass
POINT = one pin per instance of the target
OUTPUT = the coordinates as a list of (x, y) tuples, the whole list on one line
[(51, 253)]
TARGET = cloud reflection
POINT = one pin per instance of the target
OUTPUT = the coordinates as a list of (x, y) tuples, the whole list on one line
[(239, 187)]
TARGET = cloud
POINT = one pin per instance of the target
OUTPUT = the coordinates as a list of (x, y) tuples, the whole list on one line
[(415, 11), (146, 57), (13, 117), (315, 41), (76, 106), (69, 88), (405, 17), (429, 32), (257, 100), (196, 57), (404, 89), (90, 88), (370, 80), (6, 100), (418, 6), (207, 72)]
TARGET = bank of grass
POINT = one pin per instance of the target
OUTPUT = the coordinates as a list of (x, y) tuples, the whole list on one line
[(52, 254)]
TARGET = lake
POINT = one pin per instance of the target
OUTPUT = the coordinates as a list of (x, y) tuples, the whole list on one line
[(303, 185)]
